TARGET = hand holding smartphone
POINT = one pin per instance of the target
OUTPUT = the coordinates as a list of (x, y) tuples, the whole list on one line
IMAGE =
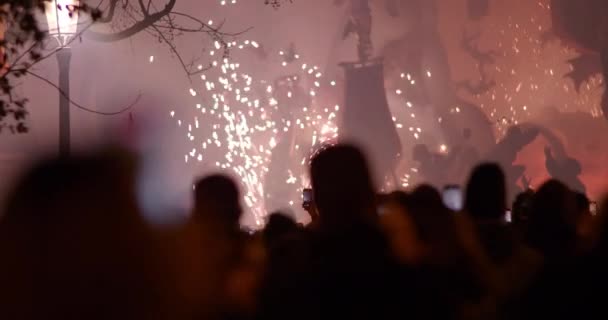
[(308, 203), (453, 198), (307, 196)]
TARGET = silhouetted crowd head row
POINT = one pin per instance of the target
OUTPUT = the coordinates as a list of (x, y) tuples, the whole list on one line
[(74, 245)]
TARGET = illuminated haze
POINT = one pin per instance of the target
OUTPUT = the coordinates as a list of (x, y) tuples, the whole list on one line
[(109, 76)]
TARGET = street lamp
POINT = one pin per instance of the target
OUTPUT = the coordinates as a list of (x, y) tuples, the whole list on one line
[(62, 19)]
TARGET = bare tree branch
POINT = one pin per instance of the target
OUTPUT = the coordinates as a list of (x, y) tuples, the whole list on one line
[(166, 25), (143, 8), (80, 106), (110, 11), (125, 18), (139, 26)]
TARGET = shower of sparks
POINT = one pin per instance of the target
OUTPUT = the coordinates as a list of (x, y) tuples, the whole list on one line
[(241, 119), (528, 70)]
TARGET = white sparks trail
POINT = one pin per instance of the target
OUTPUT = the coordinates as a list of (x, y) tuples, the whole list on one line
[(247, 124), (529, 71), (241, 119)]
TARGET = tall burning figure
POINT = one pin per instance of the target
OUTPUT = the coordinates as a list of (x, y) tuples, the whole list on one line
[(360, 24), (419, 57), (430, 93), (366, 118)]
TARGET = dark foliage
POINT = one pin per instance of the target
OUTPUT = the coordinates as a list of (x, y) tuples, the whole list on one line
[(22, 45)]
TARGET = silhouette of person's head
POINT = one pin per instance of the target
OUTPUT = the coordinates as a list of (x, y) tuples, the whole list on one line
[(401, 199), (342, 186), (425, 196), (77, 244), (486, 193), (552, 223), (427, 208), (522, 206), (218, 195), (435, 224), (400, 229), (278, 226)]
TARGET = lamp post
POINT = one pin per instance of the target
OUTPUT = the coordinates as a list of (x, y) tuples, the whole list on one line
[(62, 19)]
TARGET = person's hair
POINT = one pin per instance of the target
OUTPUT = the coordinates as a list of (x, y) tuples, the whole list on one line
[(435, 224), (551, 227), (400, 198), (521, 206), (383, 199), (342, 185), (218, 195), (278, 226), (104, 179), (427, 210), (73, 223), (486, 192)]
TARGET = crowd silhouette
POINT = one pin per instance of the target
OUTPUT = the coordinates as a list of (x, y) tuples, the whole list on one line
[(74, 245)]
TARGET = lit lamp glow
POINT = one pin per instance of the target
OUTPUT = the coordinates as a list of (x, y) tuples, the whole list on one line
[(62, 19)]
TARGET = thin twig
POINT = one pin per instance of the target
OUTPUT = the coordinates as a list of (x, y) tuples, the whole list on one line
[(137, 27), (79, 106)]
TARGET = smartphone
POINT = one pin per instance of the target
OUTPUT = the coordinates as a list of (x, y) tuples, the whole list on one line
[(307, 196), (593, 208), (508, 216), (453, 198)]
